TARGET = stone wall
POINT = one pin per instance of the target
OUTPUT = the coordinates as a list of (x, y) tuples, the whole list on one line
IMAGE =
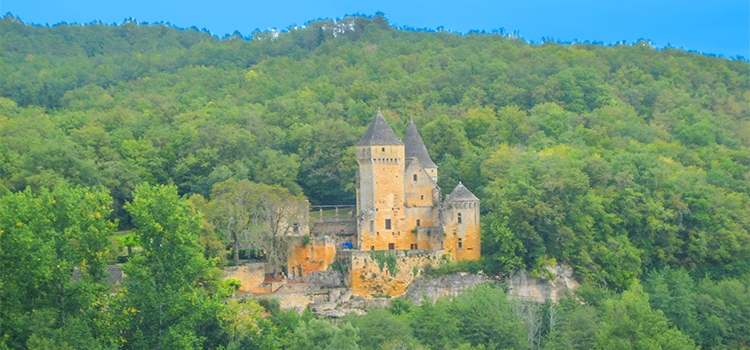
[(340, 229), (334, 226), (429, 237), (384, 272), (309, 254), (251, 275)]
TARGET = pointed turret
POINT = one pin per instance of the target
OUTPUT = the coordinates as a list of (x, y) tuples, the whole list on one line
[(415, 147), (461, 215), (379, 134), (461, 194)]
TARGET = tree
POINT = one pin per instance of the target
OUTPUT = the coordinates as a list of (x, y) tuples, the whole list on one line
[(628, 322), (213, 247), (277, 217), (241, 319), (319, 334), (444, 136), (575, 327), (265, 216), (230, 211), (379, 327), (53, 247), (167, 285), (484, 316), (434, 325), (673, 292)]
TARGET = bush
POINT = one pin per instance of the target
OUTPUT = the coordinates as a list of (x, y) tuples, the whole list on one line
[(454, 267)]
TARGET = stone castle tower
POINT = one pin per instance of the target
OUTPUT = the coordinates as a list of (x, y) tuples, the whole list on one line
[(399, 203)]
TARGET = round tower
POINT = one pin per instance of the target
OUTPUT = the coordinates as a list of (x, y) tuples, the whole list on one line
[(460, 217)]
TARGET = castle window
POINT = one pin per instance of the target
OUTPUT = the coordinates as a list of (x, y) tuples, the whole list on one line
[(460, 244), (413, 246), (295, 229), (421, 197), (382, 149), (372, 247), (372, 227), (391, 246), (415, 177), (387, 224), (418, 222), (459, 218)]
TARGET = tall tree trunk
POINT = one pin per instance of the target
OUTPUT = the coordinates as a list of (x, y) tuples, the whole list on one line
[(161, 323), (236, 256)]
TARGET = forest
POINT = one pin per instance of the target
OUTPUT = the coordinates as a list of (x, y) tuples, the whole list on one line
[(629, 163)]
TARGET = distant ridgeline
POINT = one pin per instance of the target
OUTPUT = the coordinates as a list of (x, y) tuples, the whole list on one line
[(615, 160)]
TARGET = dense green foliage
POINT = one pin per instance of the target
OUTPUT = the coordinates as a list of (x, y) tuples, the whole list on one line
[(43, 237), (626, 162)]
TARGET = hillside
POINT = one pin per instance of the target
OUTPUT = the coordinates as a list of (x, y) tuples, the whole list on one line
[(619, 161)]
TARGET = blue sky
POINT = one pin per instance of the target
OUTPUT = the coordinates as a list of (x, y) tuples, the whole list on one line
[(719, 27)]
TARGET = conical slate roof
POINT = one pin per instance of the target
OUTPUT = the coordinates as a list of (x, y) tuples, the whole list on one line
[(415, 147), (379, 134), (461, 193)]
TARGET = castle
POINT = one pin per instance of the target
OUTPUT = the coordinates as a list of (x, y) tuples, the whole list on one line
[(400, 223), (399, 202)]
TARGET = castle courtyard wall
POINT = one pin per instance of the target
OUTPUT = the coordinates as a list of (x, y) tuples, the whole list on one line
[(384, 273), (310, 254)]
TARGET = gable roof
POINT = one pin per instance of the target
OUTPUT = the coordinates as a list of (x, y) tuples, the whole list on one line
[(415, 147), (379, 133), (461, 193)]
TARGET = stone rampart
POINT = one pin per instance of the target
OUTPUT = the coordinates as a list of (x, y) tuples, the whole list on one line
[(384, 272)]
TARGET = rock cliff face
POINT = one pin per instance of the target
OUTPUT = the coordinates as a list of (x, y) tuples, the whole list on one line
[(443, 286), (325, 293), (520, 285), (524, 287)]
